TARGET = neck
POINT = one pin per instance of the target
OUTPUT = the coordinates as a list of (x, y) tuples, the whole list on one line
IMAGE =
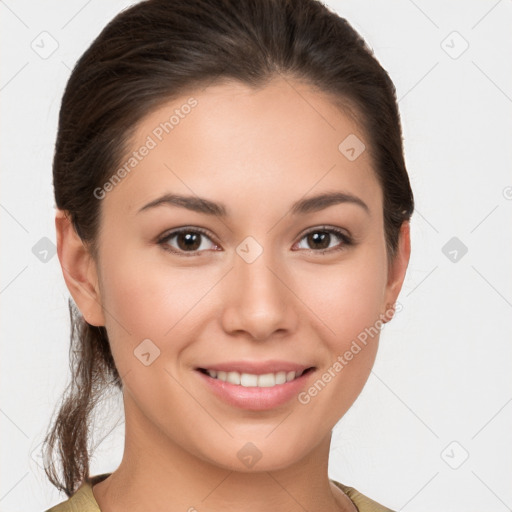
[(157, 473)]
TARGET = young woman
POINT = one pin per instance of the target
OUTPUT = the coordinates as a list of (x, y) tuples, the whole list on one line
[(233, 227)]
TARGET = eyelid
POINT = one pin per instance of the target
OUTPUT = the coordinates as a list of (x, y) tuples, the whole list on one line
[(326, 227), (176, 231)]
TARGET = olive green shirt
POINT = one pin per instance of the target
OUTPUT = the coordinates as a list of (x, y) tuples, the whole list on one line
[(83, 499)]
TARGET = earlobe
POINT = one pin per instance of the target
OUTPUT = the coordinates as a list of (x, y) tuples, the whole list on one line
[(79, 270), (397, 270)]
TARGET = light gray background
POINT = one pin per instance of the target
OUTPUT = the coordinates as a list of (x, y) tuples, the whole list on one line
[(441, 387)]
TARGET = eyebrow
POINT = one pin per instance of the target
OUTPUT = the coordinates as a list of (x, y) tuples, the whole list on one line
[(301, 207)]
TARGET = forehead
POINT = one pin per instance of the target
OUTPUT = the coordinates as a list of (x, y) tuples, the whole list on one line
[(248, 146)]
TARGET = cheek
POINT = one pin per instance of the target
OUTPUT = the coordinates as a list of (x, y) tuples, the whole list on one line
[(143, 301), (146, 298), (346, 299), (347, 304)]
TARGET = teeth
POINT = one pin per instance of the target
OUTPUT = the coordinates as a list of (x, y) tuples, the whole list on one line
[(265, 380), (233, 378), (248, 380), (281, 377)]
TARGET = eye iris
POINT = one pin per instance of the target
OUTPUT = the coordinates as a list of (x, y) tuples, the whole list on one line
[(192, 240), (319, 237)]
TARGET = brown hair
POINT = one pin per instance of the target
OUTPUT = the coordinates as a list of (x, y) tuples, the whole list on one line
[(149, 54)]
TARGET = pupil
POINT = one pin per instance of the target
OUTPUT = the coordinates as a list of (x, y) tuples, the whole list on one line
[(192, 241), (319, 237)]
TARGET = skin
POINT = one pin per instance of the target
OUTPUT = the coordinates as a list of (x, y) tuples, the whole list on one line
[(256, 151)]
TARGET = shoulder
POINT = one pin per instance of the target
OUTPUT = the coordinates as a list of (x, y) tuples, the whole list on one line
[(362, 502), (83, 499)]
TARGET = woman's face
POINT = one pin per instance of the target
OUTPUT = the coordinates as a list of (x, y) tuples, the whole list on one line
[(258, 282)]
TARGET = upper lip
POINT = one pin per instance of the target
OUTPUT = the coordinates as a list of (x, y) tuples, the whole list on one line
[(256, 367)]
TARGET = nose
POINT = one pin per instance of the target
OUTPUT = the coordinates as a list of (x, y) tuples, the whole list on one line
[(258, 300)]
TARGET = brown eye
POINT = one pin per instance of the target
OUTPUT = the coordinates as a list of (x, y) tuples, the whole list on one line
[(320, 240), (187, 241)]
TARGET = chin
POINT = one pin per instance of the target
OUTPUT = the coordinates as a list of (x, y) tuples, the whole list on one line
[(255, 456)]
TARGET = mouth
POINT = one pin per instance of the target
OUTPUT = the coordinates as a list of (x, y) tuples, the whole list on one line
[(259, 380), (255, 385)]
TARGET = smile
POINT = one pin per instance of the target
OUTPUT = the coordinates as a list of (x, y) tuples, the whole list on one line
[(265, 380), (255, 385)]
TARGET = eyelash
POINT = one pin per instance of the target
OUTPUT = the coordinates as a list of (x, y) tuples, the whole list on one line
[(346, 240)]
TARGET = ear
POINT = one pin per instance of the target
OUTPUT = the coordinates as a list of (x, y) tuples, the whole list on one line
[(396, 271), (79, 270)]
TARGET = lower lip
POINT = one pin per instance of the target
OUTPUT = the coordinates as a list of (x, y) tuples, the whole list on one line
[(256, 398)]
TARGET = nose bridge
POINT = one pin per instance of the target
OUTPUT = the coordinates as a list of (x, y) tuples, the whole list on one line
[(257, 282), (258, 300)]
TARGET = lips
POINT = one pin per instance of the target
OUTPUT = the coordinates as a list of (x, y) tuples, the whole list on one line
[(255, 385)]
